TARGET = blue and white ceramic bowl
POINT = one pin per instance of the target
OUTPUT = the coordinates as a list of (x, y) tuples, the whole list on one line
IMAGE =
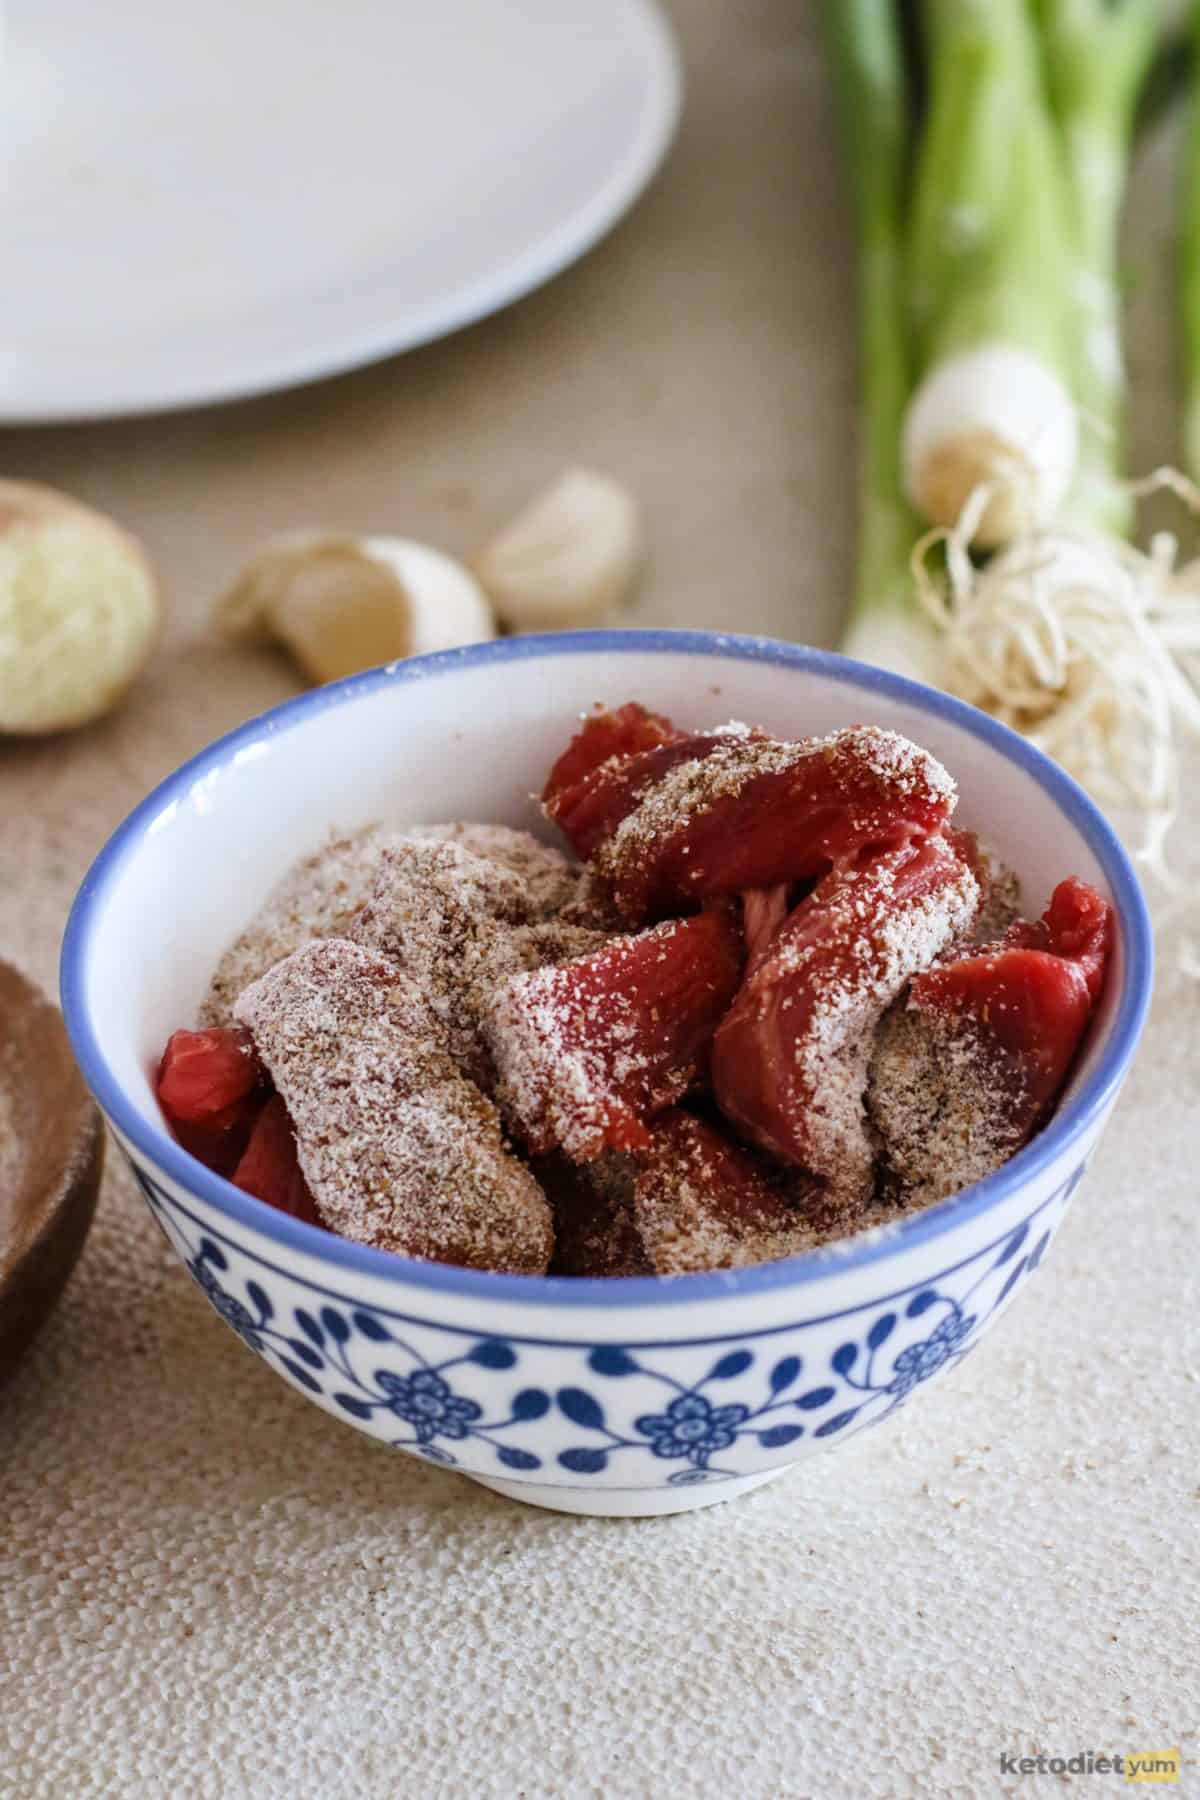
[(616, 1397)]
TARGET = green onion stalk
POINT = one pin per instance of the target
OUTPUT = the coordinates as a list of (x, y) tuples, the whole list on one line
[(992, 380), (1097, 56), (1189, 274), (989, 258), (867, 64)]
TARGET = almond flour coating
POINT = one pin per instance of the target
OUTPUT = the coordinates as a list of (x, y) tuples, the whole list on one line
[(316, 899), (1001, 895), (550, 880), (586, 1051), (690, 830), (595, 1232), (791, 1060), (398, 1148), (460, 924), (943, 1117), (519, 878), (702, 1202)]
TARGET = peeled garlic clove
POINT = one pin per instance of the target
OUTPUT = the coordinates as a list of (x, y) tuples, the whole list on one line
[(566, 557), (79, 610), (344, 604)]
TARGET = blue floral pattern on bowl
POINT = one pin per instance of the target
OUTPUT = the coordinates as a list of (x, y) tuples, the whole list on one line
[(671, 1413)]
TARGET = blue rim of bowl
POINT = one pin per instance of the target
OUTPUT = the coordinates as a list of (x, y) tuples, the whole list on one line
[(162, 1152)]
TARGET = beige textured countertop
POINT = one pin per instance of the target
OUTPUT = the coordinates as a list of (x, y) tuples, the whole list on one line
[(207, 1587)]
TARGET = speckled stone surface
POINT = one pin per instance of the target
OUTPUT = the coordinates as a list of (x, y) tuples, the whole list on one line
[(208, 1588)]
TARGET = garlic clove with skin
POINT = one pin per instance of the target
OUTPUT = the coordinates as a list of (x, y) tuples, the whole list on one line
[(447, 605), (566, 557), (343, 604), (243, 614)]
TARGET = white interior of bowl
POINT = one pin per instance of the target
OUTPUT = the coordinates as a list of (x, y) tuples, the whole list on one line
[(470, 740)]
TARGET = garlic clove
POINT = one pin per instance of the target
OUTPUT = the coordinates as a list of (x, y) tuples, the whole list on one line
[(447, 605), (568, 556), (343, 604), (245, 613), (79, 610)]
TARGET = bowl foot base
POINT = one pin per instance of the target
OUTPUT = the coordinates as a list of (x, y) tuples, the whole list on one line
[(627, 1503)]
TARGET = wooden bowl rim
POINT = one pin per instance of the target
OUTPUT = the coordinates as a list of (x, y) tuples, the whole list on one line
[(44, 1219)]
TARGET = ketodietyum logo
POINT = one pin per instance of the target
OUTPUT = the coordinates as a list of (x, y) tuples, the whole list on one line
[(1134, 1765)]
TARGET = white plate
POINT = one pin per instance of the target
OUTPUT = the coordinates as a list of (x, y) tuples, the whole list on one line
[(211, 201)]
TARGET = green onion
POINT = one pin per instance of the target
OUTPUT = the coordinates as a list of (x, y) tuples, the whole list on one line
[(1189, 276), (989, 262), (988, 254), (1097, 56), (867, 62)]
